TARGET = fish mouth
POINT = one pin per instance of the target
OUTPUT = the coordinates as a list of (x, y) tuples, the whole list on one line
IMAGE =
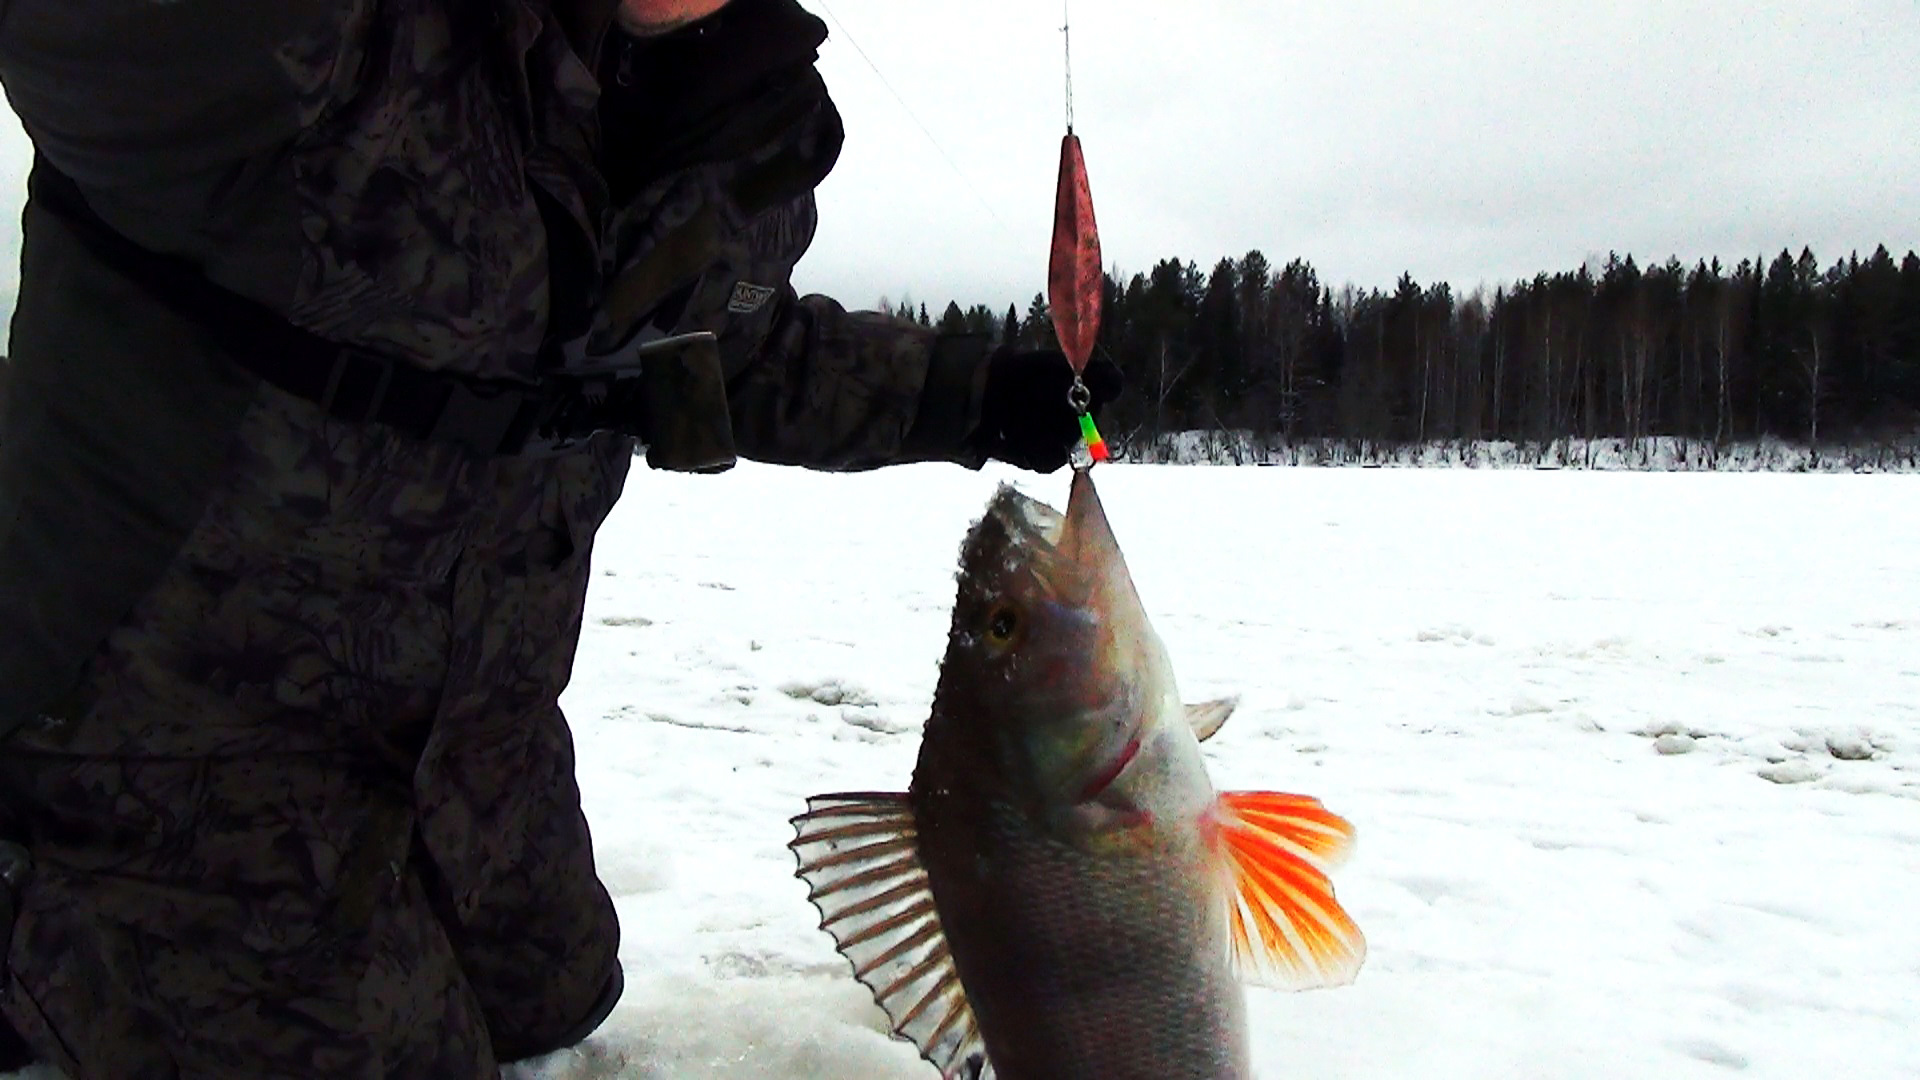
[(1106, 777), (1027, 521)]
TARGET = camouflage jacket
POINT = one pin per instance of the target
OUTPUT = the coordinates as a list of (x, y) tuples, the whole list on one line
[(447, 183)]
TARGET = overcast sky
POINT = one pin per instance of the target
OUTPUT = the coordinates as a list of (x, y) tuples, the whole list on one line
[(1468, 140)]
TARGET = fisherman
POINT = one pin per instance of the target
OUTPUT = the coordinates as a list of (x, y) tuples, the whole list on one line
[(338, 327)]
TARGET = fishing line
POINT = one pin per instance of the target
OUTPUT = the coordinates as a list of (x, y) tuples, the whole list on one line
[(1066, 32), (908, 109)]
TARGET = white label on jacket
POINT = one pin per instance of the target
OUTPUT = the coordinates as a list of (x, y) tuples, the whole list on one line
[(748, 298)]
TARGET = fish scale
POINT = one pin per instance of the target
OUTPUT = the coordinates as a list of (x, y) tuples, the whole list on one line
[(1128, 958)]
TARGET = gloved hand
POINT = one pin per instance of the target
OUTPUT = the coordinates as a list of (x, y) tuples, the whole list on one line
[(1025, 419)]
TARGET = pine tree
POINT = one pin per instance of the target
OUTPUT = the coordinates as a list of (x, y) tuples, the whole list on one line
[(1905, 377), (953, 320), (1168, 307), (1037, 331), (1252, 368), (1279, 315), (1217, 343), (1778, 343)]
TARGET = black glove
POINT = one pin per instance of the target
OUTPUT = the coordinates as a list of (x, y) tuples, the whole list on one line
[(1025, 418)]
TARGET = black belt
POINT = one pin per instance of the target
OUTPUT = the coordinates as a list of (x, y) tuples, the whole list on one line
[(488, 416)]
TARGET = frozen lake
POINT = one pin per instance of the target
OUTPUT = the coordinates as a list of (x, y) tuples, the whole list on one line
[(1634, 758)]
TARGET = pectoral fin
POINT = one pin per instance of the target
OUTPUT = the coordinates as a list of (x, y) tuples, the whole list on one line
[(859, 857), (1288, 930), (1207, 716)]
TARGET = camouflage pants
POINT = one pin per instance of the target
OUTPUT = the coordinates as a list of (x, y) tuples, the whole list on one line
[(313, 813)]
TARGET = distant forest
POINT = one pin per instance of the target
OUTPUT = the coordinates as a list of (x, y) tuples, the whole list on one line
[(1785, 349)]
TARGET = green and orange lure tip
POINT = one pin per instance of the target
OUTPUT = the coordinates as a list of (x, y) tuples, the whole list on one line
[(1089, 434)]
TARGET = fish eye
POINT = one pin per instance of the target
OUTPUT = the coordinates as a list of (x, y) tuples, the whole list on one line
[(1002, 625)]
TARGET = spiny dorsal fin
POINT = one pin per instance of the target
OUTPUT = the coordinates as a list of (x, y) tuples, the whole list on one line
[(859, 857), (1288, 930), (1206, 717)]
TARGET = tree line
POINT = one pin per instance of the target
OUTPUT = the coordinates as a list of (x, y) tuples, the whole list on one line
[(1784, 349)]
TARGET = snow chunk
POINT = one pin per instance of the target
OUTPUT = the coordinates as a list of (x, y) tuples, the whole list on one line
[(874, 721), (1795, 771), (1527, 706), (829, 692), (1850, 746), (1675, 744)]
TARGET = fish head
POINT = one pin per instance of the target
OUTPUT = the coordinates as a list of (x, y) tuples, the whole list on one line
[(1053, 677)]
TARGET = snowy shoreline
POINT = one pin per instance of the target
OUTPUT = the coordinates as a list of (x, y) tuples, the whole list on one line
[(1662, 454)]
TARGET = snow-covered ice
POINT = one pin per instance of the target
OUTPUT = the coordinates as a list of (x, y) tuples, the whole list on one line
[(1634, 758), (1489, 673)]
